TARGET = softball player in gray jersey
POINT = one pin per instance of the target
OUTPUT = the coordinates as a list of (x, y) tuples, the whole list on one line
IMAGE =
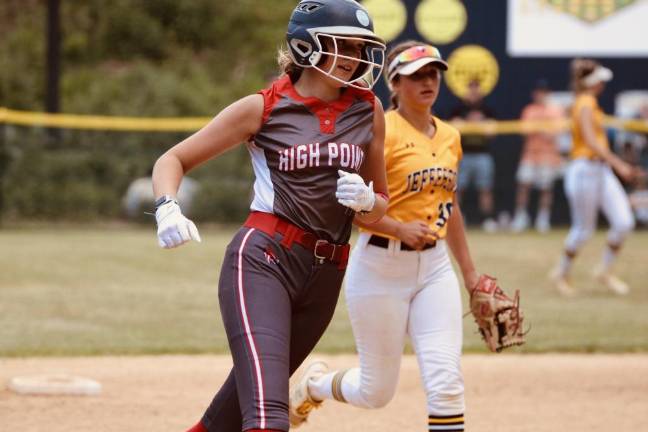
[(590, 184), (315, 137)]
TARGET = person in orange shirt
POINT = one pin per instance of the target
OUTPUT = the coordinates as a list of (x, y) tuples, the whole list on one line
[(400, 280), (590, 183), (540, 162)]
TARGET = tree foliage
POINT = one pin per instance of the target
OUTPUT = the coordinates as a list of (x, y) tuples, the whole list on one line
[(128, 58), (160, 57)]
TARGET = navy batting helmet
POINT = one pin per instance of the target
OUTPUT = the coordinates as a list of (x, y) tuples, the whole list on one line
[(338, 20)]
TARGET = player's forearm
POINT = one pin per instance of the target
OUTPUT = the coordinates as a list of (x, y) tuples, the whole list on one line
[(385, 225), (377, 212), (456, 238), (604, 153), (592, 141), (167, 175)]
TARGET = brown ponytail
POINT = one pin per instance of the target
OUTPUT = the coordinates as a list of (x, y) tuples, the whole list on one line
[(391, 55), (287, 65), (580, 69)]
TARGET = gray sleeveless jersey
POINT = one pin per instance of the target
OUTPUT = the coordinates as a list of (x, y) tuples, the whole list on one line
[(297, 152)]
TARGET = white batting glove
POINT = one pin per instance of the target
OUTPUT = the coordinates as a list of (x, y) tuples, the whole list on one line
[(353, 193), (174, 229)]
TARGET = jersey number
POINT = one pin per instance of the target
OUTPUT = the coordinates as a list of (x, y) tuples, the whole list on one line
[(445, 210)]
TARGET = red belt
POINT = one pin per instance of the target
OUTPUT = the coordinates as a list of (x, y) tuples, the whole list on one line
[(322, 249)]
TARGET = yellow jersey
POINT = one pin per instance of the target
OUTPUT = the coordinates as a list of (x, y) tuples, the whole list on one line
[(580, 149), (421, 172)]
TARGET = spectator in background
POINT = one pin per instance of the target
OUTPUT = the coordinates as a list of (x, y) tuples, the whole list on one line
[(635, 151), (477, 166), (635, 145), (540, 162), (639, 201)]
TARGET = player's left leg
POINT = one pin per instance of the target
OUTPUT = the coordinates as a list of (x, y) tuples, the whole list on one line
[(435, 328), (380, 284), (378, 287), (617, 210)]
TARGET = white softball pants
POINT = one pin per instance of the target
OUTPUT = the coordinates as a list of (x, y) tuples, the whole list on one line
[(391, 294), (590, 186)]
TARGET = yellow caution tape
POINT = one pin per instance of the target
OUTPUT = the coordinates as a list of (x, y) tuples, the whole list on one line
[(72, 121), (190, 124)]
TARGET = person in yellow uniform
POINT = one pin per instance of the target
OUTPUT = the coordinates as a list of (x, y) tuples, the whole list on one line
[(400, 280), (590, 184)]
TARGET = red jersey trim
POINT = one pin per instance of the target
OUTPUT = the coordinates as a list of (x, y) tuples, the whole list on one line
[(326, 112), (270, 98)]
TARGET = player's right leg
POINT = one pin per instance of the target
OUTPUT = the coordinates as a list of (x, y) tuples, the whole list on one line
[(378, 288), (617, 210)]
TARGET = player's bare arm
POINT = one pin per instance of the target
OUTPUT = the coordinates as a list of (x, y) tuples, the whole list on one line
[(456, 238), (414, 233), (232, 126), (373, 170)]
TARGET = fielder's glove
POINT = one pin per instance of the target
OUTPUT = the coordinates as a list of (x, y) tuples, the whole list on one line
[(174, 229), (353, 193), (498, 316)]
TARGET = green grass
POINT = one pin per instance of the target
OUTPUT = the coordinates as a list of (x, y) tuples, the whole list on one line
[(80, 291)]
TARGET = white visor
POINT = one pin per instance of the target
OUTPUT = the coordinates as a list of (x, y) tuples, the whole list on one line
[(598, 75), (412, 67)]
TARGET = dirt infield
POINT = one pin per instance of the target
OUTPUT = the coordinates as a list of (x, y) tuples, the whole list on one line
[(512, 393)]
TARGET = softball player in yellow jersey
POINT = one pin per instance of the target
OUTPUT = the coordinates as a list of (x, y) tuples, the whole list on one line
[(590, 184), (400, 280)]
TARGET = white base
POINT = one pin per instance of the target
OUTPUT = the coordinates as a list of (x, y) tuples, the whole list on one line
[(54, 384)]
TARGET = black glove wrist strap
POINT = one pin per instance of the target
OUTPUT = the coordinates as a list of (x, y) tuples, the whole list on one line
[(164, 199)]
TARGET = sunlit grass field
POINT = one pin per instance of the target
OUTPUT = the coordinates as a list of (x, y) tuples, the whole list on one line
[(112, 290)]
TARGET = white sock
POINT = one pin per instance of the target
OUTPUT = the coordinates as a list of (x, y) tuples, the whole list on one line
[(350, 388), (321, 388), (564, 266), (609, 256)]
